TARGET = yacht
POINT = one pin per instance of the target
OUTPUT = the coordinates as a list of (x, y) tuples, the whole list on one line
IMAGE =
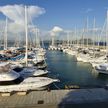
[(83, 58), (102, 68), (52, 47), (13, 81), (32, 56), (28, 71), (98, 61), (32, 72)]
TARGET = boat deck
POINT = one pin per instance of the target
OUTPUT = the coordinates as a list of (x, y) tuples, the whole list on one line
[(58, 99)]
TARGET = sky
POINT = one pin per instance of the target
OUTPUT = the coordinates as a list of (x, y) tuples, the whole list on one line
[(65, 13), (54, 16)]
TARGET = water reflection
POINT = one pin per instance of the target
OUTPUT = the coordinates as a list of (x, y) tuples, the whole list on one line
[(81, 64), (70, 72), (94, 73), (102, 76)]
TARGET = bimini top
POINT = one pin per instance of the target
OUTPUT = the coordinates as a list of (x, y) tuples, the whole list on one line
[(5, 67), (9, 76), (104, 65), (6, 73), (4, 63)]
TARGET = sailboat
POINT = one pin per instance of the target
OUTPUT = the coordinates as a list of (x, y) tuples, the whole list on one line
[(52, 46), (13, 81), (103, 67)]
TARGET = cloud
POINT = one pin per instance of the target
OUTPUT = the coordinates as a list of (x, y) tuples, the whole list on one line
[(56, 30), (15, 28), (16, 16), (87, 10), (16, 12)]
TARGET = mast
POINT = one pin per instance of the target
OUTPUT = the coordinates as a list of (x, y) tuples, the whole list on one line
[(93, 39), (87, 31), (107, 33), (5, 37), (83, 31), (26, 34), (36, 37), (52, 40), (76, 36), (94, 24), (68, 38)]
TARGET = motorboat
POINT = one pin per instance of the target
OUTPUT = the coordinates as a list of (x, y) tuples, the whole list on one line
[(13, 81), (102, 68), (27, 71), (32, 72)]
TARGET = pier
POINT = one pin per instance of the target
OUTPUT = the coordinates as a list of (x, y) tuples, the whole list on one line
[(77, 98)]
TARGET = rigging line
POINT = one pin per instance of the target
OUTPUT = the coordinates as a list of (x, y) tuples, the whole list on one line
[(32, 26), (20, 13), (31, 39), (31, 20), (102, 31), (35, 27)]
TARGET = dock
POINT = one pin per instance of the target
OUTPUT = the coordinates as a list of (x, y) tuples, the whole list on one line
[(75, 98)]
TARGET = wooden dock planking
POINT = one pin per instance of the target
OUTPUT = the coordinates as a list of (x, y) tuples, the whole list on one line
[(54, 98)]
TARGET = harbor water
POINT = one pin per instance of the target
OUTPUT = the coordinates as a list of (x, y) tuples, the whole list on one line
[(71, 73)]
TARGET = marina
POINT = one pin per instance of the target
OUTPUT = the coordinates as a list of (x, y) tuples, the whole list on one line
[(57, 61)]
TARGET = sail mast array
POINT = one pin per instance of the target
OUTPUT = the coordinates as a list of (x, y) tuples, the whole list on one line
[(94, 31)]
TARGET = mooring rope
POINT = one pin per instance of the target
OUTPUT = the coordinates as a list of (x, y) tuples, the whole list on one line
[(56, 86)]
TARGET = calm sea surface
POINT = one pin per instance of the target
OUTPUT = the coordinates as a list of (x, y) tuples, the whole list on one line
[(70, 72)]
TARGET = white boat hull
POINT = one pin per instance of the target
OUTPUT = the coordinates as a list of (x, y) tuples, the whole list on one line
[(37, 83)]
